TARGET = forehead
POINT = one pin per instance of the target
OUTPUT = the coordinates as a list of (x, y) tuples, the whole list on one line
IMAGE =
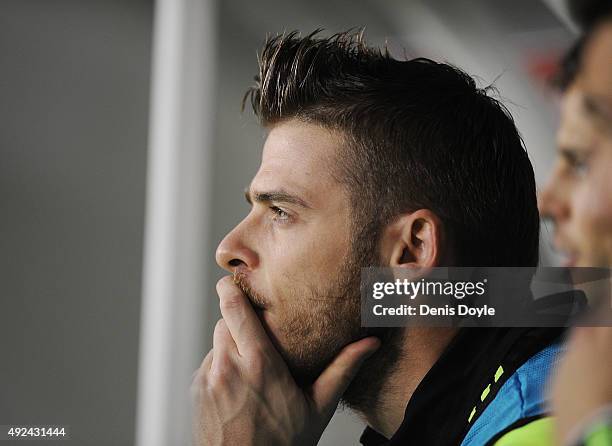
[(576, 128), (596, 70), (299, 156)]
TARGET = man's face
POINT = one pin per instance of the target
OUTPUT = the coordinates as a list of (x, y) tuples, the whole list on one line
[(291, 254), (578, 197)]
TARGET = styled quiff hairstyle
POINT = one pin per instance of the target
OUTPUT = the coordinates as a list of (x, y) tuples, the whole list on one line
[(418, 134)]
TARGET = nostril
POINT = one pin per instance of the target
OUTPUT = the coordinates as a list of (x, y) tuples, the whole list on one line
[(236, 262)]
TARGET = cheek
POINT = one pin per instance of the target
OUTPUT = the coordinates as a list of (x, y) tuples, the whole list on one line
[(593, 212), (291, 271), (296, 277), (311, 260), (594, 202)]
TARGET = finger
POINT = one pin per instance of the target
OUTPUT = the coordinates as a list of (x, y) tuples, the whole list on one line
[(196, 377), (206, 362), (331, 384), (223, 344), (222, 338), (204, 365), (241, 320)]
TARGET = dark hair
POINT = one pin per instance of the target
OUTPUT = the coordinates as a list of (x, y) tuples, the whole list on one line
[(587, 14), (419, 134)]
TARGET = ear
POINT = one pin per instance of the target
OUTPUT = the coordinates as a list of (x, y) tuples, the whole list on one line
[(414, 240)]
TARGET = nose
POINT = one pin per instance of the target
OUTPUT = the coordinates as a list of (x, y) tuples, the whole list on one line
[(234, 251)]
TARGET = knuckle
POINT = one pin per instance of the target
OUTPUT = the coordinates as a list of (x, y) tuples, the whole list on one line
[(196, 377), (195, 388), (219, 378), (200, 374), (197, 385), (220, 325), (216, 380), (222, 367)]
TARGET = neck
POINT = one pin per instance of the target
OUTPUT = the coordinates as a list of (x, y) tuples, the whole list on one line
[(386, 382)]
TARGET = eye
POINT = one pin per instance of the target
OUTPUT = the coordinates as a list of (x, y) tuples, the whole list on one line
[(580, 166), (577, 162), (279, 214)]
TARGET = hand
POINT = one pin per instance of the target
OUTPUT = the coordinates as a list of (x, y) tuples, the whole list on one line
[(243, 393), (583, 381)]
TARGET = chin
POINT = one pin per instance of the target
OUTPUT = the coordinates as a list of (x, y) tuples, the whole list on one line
[(570, 263)]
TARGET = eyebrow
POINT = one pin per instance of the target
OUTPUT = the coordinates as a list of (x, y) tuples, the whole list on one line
[(279, 196), (570, 154)]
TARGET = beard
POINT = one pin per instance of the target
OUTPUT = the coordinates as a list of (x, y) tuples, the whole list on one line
[(327, 318), (317, 322)]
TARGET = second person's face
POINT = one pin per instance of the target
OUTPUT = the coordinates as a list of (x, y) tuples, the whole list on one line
[(578, 196)]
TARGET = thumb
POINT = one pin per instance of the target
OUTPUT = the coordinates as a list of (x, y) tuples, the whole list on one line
[(331, 384)]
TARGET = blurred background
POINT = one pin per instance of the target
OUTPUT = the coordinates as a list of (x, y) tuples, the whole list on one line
[(124, 156)]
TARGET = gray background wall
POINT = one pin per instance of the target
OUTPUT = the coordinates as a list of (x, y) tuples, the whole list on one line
[(74, 92)]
